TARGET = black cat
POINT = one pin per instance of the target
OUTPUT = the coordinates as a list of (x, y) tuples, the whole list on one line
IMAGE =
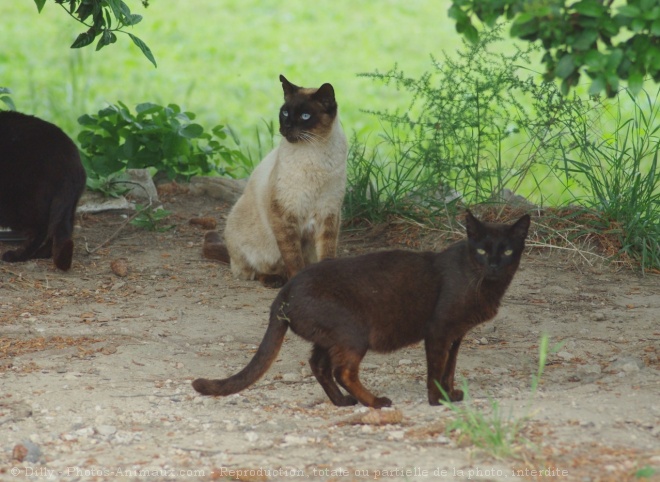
[(385, 301), (41, 181)]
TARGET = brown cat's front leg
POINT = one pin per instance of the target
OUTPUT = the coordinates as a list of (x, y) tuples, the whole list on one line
[(455, 395), (441, 364)]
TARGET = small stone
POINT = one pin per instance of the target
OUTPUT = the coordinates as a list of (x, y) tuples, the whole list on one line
[(405, 361), (396, 434), (566, 356), (119, 267), (294, 440), (106, 430), (597, 316), (291, 377), (483, 341), (252, 436)]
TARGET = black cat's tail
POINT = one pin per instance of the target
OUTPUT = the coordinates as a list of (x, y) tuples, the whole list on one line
[(260, 363), (213, 248)]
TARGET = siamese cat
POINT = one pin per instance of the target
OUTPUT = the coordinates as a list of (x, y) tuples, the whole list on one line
[(290, 212), (41, 181), (385, 301)]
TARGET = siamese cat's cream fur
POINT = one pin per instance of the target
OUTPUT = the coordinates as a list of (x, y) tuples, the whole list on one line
[(290, 212)]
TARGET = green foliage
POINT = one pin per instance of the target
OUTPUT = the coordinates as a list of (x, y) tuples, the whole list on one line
[(97, 16), (5, 98), (645, 472), (479, 135), (163, 138), (620, 172), (150, 218), (607, 43)]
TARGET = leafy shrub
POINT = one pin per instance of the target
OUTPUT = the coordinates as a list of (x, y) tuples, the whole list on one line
[(475, 125), (163, 138)]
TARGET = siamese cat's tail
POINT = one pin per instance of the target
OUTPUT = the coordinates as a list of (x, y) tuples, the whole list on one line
[(260, 363), (213, 247)]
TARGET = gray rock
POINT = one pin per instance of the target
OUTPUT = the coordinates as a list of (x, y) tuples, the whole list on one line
[(223, 189)]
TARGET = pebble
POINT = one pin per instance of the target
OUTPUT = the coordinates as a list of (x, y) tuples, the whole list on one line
[(566, 356), (291, 377), (597, 316), (405, 361), (252, 436), (628, 364), (106, 430)]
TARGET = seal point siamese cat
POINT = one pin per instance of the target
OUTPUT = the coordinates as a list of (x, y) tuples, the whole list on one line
[(41, 181), (385, 301), (290, 212)]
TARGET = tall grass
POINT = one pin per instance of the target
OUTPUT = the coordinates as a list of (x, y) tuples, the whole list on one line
[(620, 176)]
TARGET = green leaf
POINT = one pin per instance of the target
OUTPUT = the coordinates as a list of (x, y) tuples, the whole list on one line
[(191, 131), (107, 37), (84, 39), (40, 4), (631, 11), (590, 8), (635, 82), (143, 47), (655, 28), (525, 26), (147, 108), (597, 85), (586, 39), (565, 66)]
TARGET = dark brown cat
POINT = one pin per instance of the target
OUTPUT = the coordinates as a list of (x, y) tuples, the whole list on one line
[(41, 180), (385, 301)]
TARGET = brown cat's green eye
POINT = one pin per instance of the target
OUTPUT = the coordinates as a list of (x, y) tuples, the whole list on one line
[(508, 252), (481, 251)]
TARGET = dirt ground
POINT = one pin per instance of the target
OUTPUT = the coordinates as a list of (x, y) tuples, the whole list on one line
[(95, 372)]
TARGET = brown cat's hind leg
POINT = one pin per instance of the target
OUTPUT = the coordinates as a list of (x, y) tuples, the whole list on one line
[(322, 369), (346, 366)]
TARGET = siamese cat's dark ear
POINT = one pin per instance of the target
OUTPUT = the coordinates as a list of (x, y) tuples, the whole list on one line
[(472, 225), (520, 228), (325, 95), (287, 86)]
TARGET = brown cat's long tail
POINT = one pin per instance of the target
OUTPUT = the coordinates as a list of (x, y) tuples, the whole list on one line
[(260, 363), (213, 247)]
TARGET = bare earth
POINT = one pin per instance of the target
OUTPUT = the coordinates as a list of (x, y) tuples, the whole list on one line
[(95, 372)]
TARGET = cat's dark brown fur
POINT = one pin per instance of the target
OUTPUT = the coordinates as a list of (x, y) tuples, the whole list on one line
[(385, 301), (41, 180)]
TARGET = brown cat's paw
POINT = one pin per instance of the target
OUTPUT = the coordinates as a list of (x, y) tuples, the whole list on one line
[(456, 395), (346, 401), (381, 402)]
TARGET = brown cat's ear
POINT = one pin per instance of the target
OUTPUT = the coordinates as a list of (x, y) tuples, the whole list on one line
[(288, 87), (520, 228), (472, 225)]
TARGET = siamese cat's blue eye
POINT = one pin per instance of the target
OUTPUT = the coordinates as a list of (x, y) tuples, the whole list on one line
[(481, 251), (305, 116), (508, 252)]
